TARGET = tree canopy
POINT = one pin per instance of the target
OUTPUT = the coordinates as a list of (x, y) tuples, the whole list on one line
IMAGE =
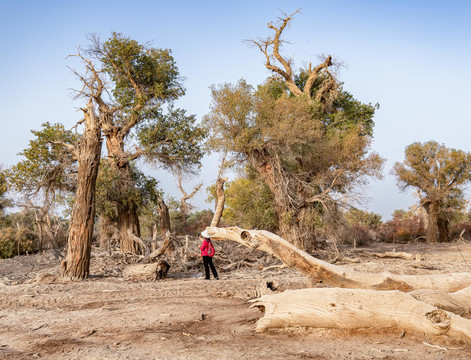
[(136, 81), (49, 167), (311, 145), (439, 174)]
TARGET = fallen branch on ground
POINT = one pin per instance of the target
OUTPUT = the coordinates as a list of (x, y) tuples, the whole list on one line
[(393, 254)]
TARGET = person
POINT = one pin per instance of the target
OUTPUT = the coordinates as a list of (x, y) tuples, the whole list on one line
[(207, 252)]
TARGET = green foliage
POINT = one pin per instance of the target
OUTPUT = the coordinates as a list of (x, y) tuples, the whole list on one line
[(143, 193), (345, 112), (315, 149), (363, 218), (4, 201), (15, 242), (435, 170), (249, 203), (172, 139), (153, 71), (48, 165), (3, 183), (195, 222)]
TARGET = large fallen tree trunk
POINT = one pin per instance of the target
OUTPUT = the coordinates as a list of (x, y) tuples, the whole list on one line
[(358, 308), (334, 275)]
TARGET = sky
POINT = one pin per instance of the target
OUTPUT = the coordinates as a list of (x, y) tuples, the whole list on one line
[(412, 57)]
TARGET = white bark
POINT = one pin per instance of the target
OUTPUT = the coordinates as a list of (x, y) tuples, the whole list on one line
[(458, 302), (220, 200), (358, 308), (334, 275), (146, 272)]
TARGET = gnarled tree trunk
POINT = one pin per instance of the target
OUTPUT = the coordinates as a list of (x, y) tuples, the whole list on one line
[(291, 218), (164, 218), (443, 229), (128, 221), (220, 200), (128, 218), (433, 209), (77, 261)]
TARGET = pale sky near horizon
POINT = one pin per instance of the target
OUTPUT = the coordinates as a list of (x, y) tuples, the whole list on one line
[(412, 57)]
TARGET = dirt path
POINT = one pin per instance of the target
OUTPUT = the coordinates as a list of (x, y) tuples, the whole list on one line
[(110, 318)]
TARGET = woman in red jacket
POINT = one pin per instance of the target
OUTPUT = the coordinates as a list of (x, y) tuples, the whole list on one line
[(207, 252)]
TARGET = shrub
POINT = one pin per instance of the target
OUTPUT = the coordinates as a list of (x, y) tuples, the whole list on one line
[(403, 227), (16, 242)]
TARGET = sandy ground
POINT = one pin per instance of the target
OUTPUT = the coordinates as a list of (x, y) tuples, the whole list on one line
[(185, 317)]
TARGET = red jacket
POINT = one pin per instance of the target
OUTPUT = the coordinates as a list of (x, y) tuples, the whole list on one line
[(205, 247)]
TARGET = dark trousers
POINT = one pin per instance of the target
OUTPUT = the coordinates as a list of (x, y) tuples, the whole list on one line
[(208, 262)]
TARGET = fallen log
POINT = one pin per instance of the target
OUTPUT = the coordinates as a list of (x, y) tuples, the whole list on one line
[(334, 275), (357, 308), (393, 254), (147, 272)]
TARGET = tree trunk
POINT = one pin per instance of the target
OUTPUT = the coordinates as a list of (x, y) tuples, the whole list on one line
[(291, 219), (108, 232), (353, 309), (164, 218), (333, 275), (433, 210), (49, 232), (77, 261), (220, 200), (443, 229), (40, 232), (292, 224), (166, 244), (128, 220)]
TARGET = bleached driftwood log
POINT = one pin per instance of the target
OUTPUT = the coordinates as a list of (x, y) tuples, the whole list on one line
[(358, 308), (146, 272), (335, 275)]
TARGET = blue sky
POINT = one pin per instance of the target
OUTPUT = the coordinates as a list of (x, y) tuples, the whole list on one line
[(412, 57)]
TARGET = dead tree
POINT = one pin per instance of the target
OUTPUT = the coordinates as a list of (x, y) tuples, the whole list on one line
[(334, 275), (270, 48), (164, 217), (184, 206), (220, 196), (44, 226), (152, 267)]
